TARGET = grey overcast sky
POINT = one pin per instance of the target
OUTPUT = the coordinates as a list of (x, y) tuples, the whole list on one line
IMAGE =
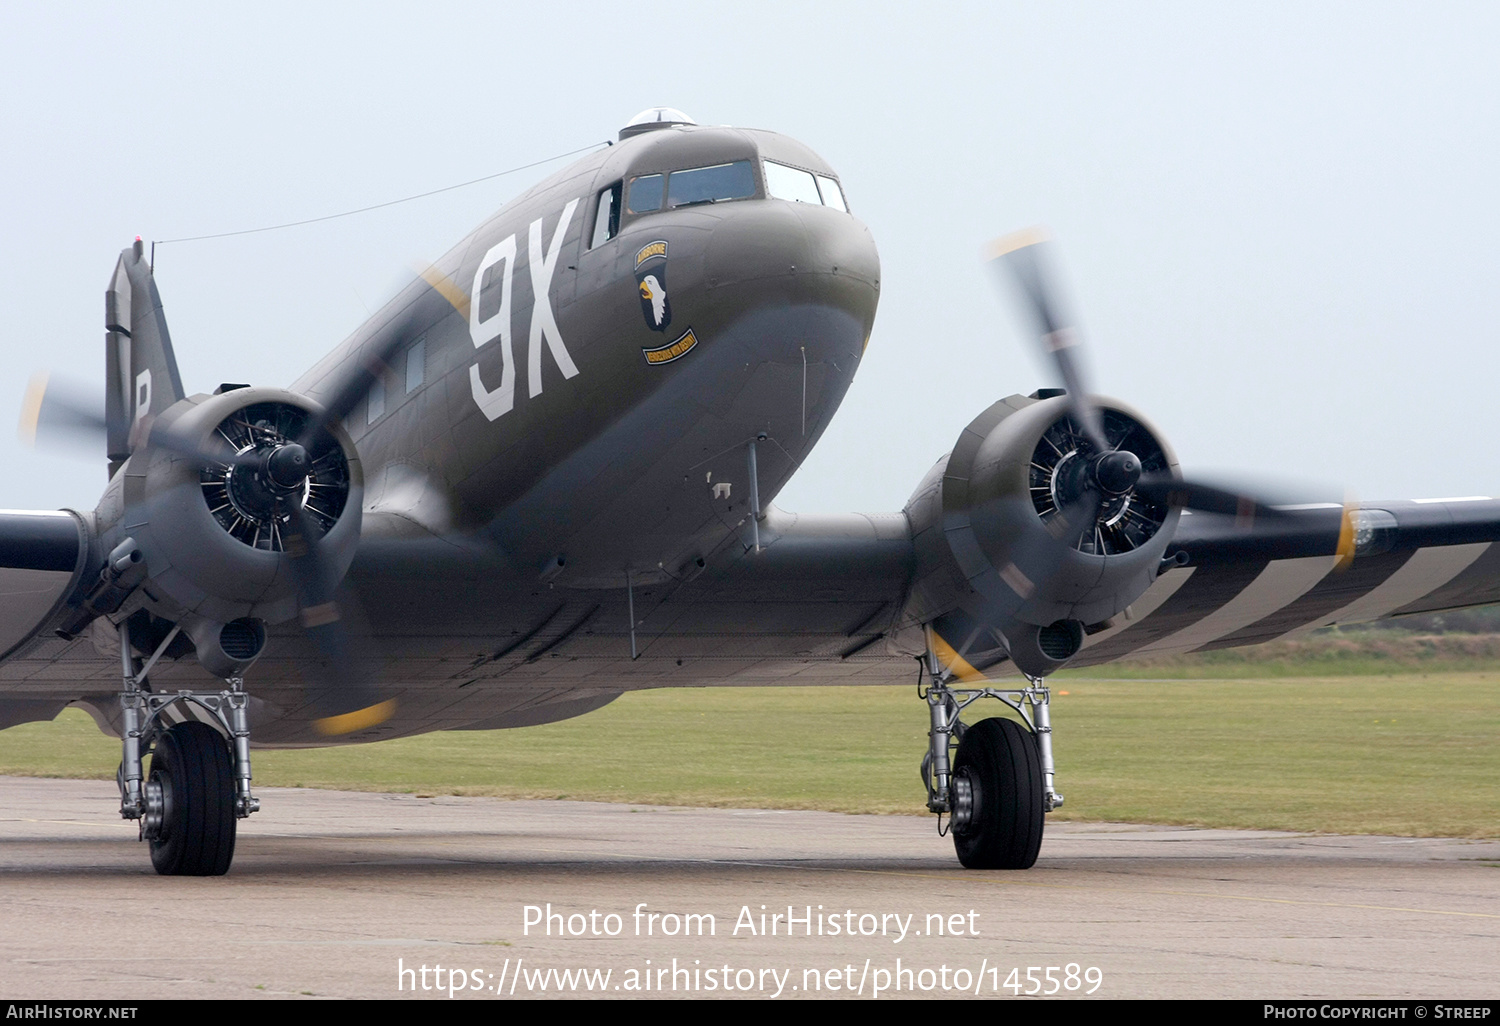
[(1279, 221)]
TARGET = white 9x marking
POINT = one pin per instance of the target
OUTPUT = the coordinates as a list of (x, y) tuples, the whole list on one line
[(502, 400)]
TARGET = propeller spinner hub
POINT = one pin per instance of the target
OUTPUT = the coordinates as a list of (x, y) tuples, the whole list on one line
[(1095, 498), (252, 497), (257, 493), (1117, 472), (288, 466)]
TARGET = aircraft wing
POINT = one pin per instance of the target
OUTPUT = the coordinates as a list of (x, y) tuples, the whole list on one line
[(831, 598), (1274, 579), (827, 600), (42, 557)]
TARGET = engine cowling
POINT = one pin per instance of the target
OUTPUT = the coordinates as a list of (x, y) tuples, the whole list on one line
[(1050, 539), (214, 537)]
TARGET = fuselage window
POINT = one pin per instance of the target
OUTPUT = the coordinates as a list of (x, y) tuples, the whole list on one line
[(416, 363), (645, 193), (376, 402), (607, 218), (833, 196), (711, 184), (790, 183)]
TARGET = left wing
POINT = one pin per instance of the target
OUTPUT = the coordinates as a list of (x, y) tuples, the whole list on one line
[(1317, 567)]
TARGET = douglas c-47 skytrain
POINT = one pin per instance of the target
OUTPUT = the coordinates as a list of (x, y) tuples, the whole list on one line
[(543, 475)]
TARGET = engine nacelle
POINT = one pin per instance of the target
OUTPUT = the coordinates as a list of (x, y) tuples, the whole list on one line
[(213, 537), (1046, 557)]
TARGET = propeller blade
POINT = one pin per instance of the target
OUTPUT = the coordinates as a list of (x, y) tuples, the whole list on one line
[(344, 696), (342, 693), (360, 376), (1078, 519), (1023, 257), (52, 413), (357, 379), (1209, 499), (216, 453)]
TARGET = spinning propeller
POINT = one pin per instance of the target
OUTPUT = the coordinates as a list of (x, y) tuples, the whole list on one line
[(276, 478), (1095, 484)]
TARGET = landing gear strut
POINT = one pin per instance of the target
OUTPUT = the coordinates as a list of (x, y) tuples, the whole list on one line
[(199, 783), (998, 789)]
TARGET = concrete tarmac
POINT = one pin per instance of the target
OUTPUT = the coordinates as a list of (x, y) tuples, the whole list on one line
[(336, 894)]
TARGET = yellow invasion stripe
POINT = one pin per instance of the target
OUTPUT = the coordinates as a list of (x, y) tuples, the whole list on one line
[(956, 664), (31, 408), (443, 286), (1345, 549), (359, 719)]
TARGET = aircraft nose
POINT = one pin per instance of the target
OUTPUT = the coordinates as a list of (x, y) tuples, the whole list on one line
[(796, 253)]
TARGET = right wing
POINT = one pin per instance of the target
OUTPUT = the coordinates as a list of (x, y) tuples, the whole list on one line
[(42, 560)]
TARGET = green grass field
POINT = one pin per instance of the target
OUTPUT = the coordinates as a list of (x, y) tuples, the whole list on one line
[(1407, 752)]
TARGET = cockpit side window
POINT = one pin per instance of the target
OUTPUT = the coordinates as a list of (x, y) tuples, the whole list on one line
[(711, 184), (646, 193), (833, 195), (799, 186), (790, 183), (607, 215)]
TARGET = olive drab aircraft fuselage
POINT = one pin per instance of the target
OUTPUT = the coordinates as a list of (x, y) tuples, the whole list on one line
[(543, 474)]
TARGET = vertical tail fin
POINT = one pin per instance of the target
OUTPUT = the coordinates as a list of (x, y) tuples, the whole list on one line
[(141, 377)]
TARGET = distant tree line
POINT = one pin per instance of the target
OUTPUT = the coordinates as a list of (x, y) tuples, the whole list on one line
[(1478, 620)]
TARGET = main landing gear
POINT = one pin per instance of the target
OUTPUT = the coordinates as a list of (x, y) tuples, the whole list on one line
[(199, 784), (998, 788)]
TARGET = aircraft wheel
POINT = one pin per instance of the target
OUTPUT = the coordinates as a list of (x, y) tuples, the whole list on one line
[(191, 766), (998, 760)]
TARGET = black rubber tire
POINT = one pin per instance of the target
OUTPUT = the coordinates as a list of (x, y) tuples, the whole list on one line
[(192, 765), (1000, 759)]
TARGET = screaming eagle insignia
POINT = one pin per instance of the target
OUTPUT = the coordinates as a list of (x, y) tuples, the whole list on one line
[(651, 280)]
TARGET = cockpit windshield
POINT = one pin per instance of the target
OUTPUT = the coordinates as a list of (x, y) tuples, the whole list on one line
[(711, 184), (645, 194)]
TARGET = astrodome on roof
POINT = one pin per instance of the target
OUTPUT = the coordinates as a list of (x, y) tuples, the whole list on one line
[(660, 115)]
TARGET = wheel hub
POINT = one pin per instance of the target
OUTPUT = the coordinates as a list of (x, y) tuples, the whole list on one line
[(965, 799), (158, 796)]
